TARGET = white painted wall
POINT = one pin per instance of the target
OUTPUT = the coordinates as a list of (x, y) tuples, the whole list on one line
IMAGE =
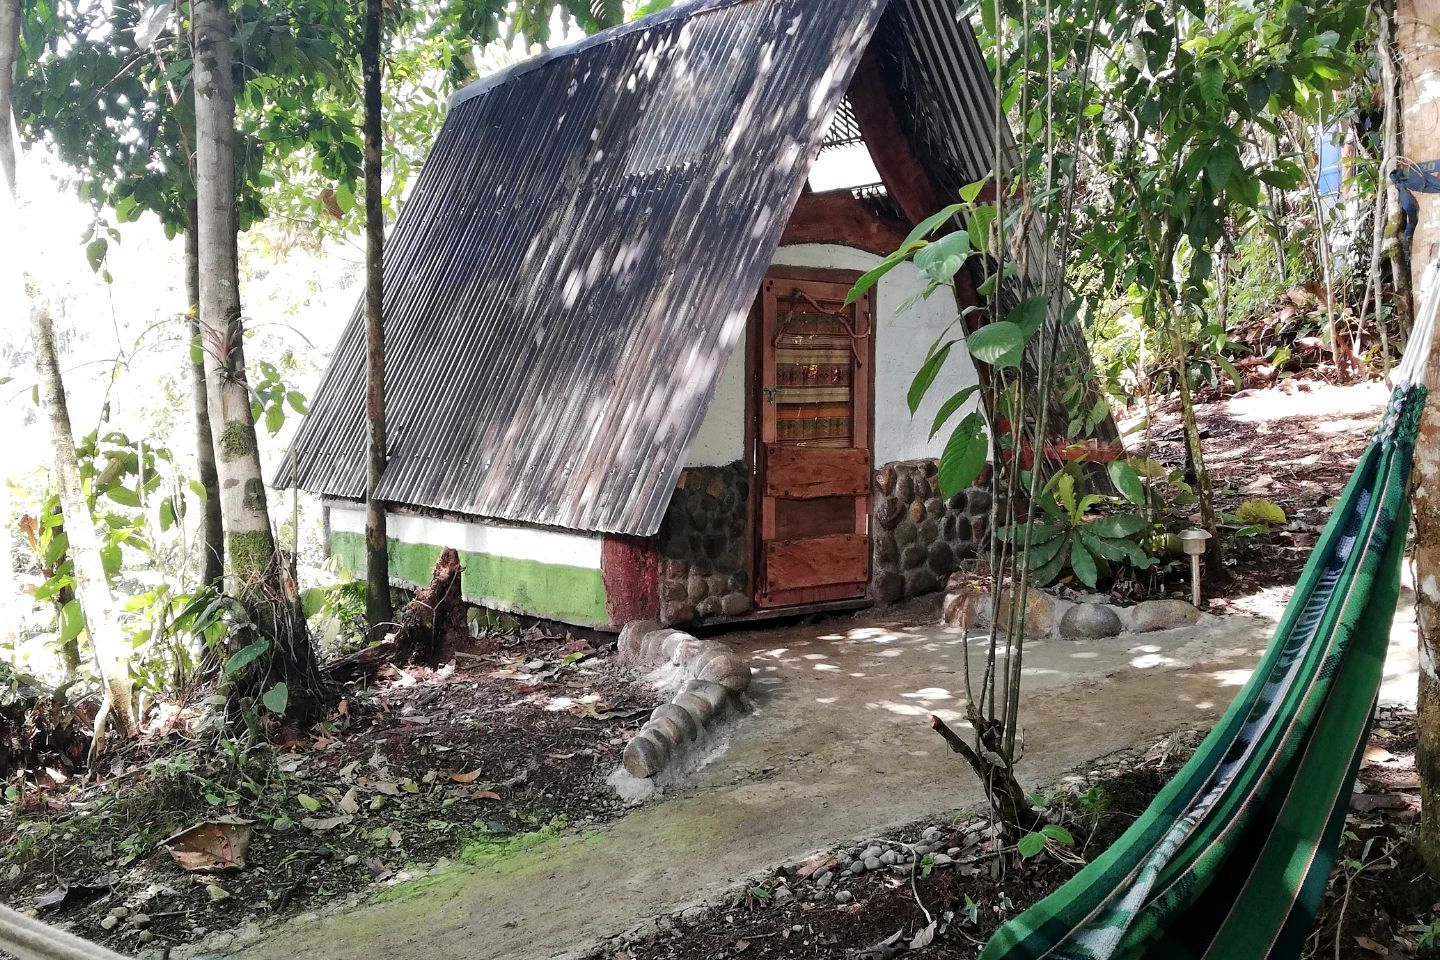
[(721, 439), (515, 542), (906, 325)]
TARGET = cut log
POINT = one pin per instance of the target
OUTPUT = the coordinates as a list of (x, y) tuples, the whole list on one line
[(432, 621), (38, 728)]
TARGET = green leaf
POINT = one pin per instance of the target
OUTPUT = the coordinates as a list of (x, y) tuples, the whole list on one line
[(1121, 525), (925, 377), (1000, 344), (95, 252), (964, 456), (1230, 371), (1030, 315), (274, 418), (309, 802), (245, 656), (978, 226), (71, 622), (1030, 844), (1042, 552), (1211, 80), (1103, 547), (1051, 569), (941, 260), (167, 514), (948, 408), (1127, 481), (123, 496), (1058, 833), (276, 698), (1082, 562), (929, 225), (970, 191), (868, 280)]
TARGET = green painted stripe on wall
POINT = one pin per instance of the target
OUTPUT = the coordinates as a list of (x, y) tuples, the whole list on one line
[(544, 589)]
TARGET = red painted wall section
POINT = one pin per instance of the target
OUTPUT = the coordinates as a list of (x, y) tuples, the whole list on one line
[(630, 570)]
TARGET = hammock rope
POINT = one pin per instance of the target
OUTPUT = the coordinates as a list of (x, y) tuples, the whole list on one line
[(1231, 859)]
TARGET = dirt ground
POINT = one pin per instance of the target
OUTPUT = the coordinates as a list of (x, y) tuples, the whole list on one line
[(1295, 444), (506, 745)]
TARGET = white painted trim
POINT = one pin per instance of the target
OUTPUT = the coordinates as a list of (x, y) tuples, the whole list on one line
[(555, 547)]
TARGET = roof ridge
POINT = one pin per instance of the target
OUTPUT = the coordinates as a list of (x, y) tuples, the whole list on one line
[(682, 10)]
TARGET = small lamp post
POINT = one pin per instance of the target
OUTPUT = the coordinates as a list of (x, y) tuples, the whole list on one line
[(1193, 542)]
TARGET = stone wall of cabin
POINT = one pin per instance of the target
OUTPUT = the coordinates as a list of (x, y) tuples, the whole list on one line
[(703, 571), (918, 537)]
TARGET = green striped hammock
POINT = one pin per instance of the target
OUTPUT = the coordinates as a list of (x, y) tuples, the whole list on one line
[(1231, 859)]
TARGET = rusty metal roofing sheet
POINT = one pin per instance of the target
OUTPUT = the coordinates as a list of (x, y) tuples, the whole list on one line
[(578, 257)]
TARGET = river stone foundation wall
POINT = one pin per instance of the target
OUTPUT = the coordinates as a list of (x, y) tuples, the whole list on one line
[(703, 571), (920, 538)]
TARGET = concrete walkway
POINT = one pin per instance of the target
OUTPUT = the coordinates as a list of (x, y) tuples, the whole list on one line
[(837, 750)]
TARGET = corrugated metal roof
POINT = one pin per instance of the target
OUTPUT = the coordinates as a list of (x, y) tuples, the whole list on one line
[(580, 252)]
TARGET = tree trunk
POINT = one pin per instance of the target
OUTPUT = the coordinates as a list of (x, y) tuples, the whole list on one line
[(97, 605), (212, 528), (378, 612), (1419, 56), (262, 580)]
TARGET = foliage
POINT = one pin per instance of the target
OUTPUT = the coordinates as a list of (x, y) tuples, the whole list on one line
[(1261, 512), (1068, 537)]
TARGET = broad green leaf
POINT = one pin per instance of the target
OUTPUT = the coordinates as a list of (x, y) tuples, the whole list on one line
[(1050, 570), (929, 225), (1127, 481), (1041, 553), (928, 371), (868, 280), (978, 226), (970, 191), (1065, 492), (309, 802), (71, 621), (1000, 344), (964, 456), (55, 549), (1103, 547), (1057, 833), (1230, 371), (1030, 315), (941, 260), (1121, 525), (276, 698), (1082, 562), (95, 252), (167, 514), (274, 418), (123, 496), (245, 656), (948, 408), (1032, 843)]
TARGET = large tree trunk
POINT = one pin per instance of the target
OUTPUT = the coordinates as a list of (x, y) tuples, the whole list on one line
[(97, 604), (1419, 53), (262, 579), (378, 611), (212, 528)]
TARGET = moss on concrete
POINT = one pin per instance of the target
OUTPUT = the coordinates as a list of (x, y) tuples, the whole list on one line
[(497, 855)]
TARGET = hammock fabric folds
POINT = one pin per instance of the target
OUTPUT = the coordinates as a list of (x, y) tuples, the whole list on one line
[(1231, 859)]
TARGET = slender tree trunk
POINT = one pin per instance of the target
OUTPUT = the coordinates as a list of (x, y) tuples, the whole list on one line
[(262, 579), (97, 604), (378, 611), (1418, 46), (212, 528)]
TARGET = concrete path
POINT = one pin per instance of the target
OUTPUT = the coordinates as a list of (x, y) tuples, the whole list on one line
[(838, 749)]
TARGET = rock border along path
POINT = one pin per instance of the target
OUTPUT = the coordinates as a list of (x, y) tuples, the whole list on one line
[(712, 679)]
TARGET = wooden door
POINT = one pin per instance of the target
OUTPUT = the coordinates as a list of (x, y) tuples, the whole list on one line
[(812, 372)]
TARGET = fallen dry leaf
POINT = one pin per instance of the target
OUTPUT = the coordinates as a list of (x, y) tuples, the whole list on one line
[(484, 795), (470, 777), (320, 824), (350, 803), (1368, 944), (210, 847)]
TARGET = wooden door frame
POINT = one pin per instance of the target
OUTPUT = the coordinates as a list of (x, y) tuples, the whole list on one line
[(754, 329)]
